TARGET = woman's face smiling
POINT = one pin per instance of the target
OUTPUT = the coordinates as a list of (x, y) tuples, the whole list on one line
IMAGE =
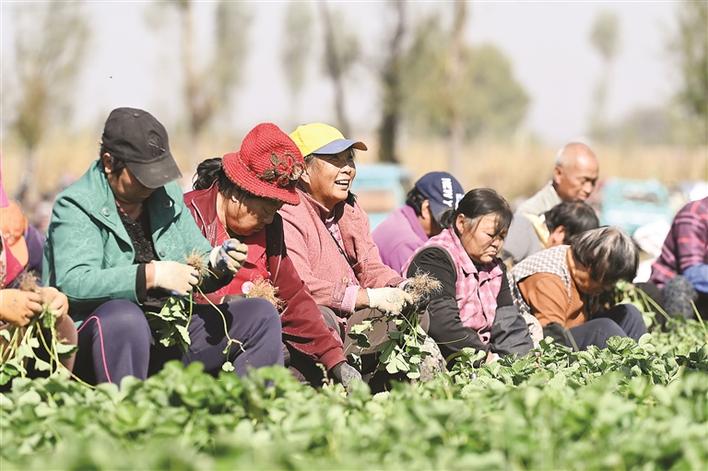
[(330, 176)]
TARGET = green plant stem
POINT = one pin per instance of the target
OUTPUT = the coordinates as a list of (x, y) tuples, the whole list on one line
[(223, 320)]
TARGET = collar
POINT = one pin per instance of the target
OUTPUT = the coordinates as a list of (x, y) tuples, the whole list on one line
[(102, 202), (204, 203), (323, 213), (551, 190), (461, 255)]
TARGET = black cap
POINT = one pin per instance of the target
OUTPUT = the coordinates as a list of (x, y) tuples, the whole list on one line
[(140, 140)]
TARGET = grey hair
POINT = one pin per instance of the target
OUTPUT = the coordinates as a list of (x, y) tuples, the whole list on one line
[(608, 252), (570, 148)]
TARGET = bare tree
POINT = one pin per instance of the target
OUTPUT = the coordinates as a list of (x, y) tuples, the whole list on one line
[(605, 38), (475, 95), (455, 72), (689, 50), (392, 86), (341, 51), (208, 91), (50, 44), (296, 49)]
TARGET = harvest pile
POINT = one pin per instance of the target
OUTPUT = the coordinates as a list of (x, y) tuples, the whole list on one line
[(630, 406)]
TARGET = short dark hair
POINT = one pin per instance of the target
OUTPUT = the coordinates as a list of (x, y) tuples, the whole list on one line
[(415, 199), (210, 171), (117, 163), (607, 252), (575, 216), (480, 202)]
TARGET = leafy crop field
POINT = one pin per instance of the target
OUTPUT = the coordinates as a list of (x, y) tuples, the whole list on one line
[(631, 406)]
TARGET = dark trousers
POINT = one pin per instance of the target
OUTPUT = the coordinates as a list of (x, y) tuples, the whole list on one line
[(623, 320), (115, 340)]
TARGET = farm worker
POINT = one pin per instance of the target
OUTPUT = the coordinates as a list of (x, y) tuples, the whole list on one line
[(328, 240), (474, 308), (411, 225), (558, 225), (18, 307), (560, 287), (117, 246), (239, 195), (574, 177), (685, 254)]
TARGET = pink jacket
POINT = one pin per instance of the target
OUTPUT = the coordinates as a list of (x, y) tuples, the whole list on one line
[(321, 261)]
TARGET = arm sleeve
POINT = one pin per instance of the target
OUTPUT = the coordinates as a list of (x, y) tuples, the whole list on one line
[(328, 293), (195, 241), (369, 269), (303, 326), (691, 242), (510, 334), (35, 244), (546, 296), (74, 259), (445, 325), (504, 297)]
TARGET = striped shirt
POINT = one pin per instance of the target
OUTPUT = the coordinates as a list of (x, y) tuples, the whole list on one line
[(686, 245)]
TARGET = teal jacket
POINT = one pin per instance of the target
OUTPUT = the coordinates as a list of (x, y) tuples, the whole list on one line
[(89, 256)]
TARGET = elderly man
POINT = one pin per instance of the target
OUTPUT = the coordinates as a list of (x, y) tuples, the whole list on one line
[(574, 177), (411, 225)]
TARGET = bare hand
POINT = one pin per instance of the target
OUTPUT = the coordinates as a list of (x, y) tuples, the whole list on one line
[(19, 307), (55, 300)]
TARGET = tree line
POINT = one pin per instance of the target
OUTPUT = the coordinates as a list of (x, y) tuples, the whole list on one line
[(431, 79)]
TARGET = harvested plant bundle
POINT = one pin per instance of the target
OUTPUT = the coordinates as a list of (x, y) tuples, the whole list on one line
[(38, 342)]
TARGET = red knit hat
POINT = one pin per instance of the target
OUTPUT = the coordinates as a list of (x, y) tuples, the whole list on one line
[(268, 164)]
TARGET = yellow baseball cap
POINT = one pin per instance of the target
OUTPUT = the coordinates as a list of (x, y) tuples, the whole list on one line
[(320, 138)]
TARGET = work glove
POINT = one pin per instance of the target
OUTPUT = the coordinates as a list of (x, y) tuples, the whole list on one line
[(177, 278), (390, 300), (346, 374), (19, 307), (229, 257)]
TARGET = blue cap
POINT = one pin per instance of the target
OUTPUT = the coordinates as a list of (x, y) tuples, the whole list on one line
[(442, 191), (340, 145)]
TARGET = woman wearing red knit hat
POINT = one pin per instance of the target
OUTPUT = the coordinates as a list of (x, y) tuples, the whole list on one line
[(239, 195)]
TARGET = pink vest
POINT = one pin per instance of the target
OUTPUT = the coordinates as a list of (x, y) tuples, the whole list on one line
[(476, 289)]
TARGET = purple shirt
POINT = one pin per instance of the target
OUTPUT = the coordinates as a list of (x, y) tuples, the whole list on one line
[(398, 237), (686, 246)]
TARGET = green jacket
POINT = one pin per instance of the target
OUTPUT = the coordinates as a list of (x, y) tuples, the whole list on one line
[(89, 256)]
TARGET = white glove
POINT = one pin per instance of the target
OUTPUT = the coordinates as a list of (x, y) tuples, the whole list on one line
[(229, 257), (389, 300), (177, 278)]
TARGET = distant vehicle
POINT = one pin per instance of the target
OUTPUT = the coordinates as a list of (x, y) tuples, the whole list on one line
[(629, 204), (380, 188)]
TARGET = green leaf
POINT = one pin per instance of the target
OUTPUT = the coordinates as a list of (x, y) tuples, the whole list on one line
[(41, 365)]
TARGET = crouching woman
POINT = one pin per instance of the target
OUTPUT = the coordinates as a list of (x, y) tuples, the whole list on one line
[(561, 285), (474, 308), (118, 245), (239, 196)]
